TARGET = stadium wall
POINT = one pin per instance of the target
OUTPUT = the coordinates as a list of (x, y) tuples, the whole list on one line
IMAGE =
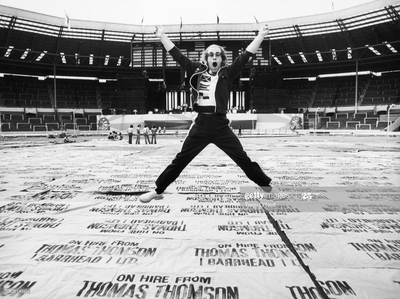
[(259, 122)]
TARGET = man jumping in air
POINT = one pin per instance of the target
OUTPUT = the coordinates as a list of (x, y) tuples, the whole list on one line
[(210, 81)]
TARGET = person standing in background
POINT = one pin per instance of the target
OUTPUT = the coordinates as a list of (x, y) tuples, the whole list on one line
[(130, 134), (153, 135), (146, 134), (138, 134)]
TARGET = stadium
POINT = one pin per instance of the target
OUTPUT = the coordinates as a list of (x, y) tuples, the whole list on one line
[(317, 106), (339, 73)]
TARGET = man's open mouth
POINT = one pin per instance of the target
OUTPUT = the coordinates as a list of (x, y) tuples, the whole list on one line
[(214, 64)]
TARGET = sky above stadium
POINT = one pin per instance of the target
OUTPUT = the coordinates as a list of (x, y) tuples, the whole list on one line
[(163, 12)]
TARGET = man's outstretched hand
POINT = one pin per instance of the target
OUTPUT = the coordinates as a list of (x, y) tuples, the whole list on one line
[(159, 31), (264, 30)]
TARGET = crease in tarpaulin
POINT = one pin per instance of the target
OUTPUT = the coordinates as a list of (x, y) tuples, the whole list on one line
[(289, 245)]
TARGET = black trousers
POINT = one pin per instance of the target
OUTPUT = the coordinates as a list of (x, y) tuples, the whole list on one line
[(211, 128), (130, 138)]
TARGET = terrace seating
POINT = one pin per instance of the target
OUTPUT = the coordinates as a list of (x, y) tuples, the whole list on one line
[(39, 128), (333, 125), (351, 124), (382, 91), (342, 116), (35, 121), (92, 118), (372, 121), (359, 116), (380, 125), (41, 103), (23, 92), (81, 121), (341, 102), (322, 103), (5, 127), (49, 118), (23, 126), (299, 102), (84, 128), (331, 93), (323, 120), (10, 119), (10, 103), (53, 126), (363, 127), (70, 126)]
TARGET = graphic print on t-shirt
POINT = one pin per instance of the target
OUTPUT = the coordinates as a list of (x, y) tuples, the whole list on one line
[(207, 87)]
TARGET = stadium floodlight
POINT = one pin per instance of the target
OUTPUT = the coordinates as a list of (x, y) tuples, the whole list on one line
[(9, 50), (319, 55), (303, 57), (276, 59), (373, 50), (91, 59), (289, 58), (334, 55), (349, 53), (107, 59), (41, 56), (77, 59), (25, 53), (64, 61), (390, 47)]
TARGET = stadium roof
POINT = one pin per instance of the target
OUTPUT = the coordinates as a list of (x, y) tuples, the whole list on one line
[(365, 36), (157, 12)]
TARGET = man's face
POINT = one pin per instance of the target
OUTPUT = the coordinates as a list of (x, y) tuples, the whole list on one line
[(214, 58)]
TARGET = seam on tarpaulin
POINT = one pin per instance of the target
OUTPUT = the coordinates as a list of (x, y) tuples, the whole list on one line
[(289, 244)]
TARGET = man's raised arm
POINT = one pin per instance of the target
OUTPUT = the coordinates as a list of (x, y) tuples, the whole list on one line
[(167, 43), (255, 44)]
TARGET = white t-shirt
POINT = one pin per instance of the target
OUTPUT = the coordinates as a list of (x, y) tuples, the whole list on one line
[(206, 99)]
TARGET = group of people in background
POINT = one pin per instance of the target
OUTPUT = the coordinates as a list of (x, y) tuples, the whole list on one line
[(146, 134), (114, 135)]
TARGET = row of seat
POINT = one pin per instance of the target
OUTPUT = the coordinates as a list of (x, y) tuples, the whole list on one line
[(349, 125), (340, 92), (23, 127), (327, 122), (47, 122)]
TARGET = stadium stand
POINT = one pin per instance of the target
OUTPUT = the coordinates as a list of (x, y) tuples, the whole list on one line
[(87, 101), (147, 79)]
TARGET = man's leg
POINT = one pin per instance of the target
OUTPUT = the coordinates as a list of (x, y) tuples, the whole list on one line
[(191, 147), (228, 142), (193, 144)]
